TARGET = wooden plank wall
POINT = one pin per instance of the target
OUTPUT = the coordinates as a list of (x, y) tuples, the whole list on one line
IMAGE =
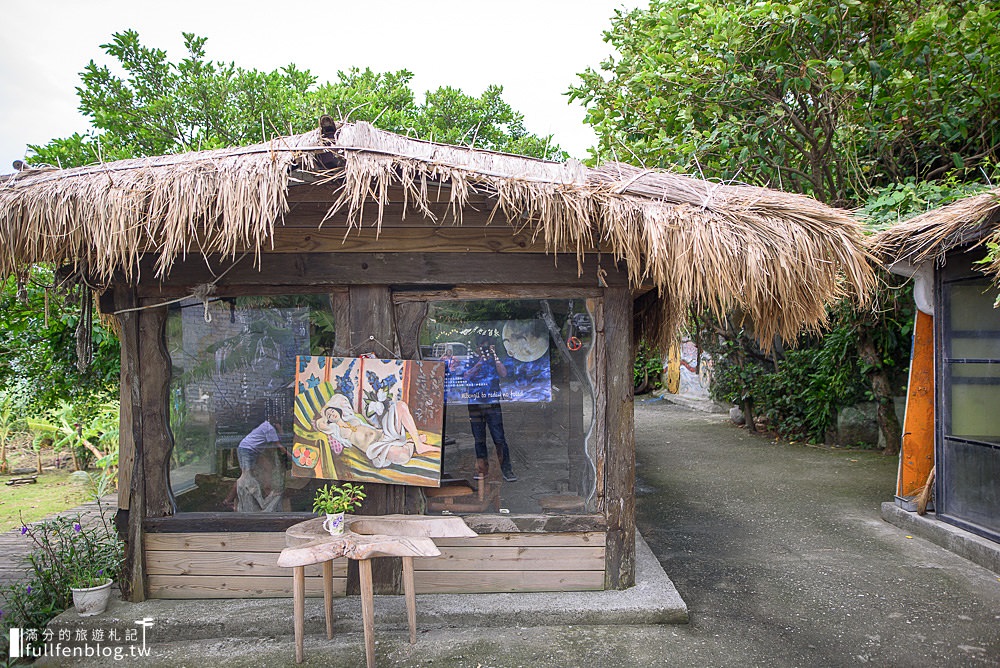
[(244, 565)]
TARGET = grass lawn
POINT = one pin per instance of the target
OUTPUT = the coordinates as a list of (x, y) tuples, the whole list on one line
[(54, 492)]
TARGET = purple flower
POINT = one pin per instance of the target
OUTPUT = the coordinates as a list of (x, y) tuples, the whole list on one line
[(28, 591), (1, 614), (24, 529), (77, 527)]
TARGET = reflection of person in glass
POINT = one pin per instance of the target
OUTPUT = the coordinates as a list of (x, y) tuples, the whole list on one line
[(393, 441), (483, 378), (254, 490)]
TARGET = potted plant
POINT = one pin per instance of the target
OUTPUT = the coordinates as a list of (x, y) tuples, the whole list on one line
[(91, 593), (334, 501)]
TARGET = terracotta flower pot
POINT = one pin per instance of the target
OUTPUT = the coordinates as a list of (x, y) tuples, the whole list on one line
[(91, 600)]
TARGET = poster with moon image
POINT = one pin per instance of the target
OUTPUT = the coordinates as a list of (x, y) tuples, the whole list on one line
[(495, 361)]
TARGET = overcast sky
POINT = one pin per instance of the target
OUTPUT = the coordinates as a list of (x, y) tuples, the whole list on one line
[(533, 48)]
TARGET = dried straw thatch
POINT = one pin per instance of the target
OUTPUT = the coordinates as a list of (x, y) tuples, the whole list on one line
[(779, 258), (970, 221)]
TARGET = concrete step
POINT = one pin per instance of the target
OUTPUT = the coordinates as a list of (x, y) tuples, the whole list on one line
[(654, 600)]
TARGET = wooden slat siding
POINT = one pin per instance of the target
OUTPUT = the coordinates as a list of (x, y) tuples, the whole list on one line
[(619, 470), (238, 564), (484, 581), (284, 272), (467, 558), (198, 587), (586, 539), (243, 541)]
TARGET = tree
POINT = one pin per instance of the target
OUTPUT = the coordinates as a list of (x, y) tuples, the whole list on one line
[(828, 99), (145, 105), (156, 107), (892, 104)]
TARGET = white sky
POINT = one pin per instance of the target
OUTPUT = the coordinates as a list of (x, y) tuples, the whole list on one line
[(533, 48)]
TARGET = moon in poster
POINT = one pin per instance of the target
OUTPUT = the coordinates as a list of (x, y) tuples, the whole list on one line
[(522, 342)]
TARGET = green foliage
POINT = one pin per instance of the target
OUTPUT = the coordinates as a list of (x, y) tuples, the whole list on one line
[(647, 369), (90, 431), (38, 346), (824, 98), (65, 554), (331, 499), (147, 105)]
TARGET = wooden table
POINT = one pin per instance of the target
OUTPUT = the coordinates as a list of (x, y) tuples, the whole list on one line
[(364, 538)]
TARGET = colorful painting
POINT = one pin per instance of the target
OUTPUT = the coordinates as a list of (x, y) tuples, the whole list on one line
[(369, 420)]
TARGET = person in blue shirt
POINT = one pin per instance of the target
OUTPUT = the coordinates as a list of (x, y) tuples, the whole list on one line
[(482, 378)]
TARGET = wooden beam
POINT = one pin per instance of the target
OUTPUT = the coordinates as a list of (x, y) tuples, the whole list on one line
[(328, 193), (462, 293), (436, 239), (619, 472), (295, 272)]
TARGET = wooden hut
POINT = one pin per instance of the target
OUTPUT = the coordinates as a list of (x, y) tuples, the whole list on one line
[(950, 425), (221, 266)]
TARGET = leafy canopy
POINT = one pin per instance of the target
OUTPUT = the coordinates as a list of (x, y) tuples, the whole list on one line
[(147, 105), (823, 98)]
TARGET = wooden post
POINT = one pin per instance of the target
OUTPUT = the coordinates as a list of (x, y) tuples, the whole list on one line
[(411, 598), (299, 609), (619, 470), (157, 440), (131, 487), (367, 609), (370, 313), (328, 597)]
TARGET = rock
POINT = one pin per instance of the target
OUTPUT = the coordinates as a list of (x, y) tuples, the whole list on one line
[(858, 424), (736, 416)]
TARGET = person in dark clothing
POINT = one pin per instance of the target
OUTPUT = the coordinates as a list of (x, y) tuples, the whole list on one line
[(483, 378)]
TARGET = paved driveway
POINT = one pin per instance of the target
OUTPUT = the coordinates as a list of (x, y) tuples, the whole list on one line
[(782, 558)]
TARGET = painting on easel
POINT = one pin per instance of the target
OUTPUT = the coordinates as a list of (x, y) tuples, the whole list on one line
[(368, 420)]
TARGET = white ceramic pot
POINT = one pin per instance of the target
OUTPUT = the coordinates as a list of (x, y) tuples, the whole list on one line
[(334, 523), (92, 600)]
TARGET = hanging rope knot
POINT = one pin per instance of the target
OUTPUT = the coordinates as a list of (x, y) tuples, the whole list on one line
[(202, 293)]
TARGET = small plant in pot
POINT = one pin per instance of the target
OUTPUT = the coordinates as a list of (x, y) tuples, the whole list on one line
[(91, 593), (334, 501)]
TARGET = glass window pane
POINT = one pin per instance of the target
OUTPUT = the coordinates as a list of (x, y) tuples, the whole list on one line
[(519, 400), (974, 408), (233, 366), (970, 305)]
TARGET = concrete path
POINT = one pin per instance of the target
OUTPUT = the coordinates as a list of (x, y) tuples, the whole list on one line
[(783, 560), (778, 550)]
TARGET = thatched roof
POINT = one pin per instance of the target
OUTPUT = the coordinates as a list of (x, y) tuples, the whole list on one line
[(971, 221), (780, 258)]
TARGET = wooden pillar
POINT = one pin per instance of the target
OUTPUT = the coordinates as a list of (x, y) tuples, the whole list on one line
[(131, 488), (370, 314), (619, 469), (145, 440), (157, 440)]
